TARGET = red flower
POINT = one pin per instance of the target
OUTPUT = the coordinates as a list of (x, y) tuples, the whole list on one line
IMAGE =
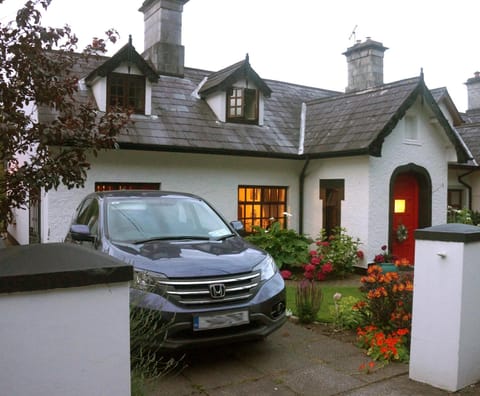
[(327, 268), (313, 253), (286, 274), (309, 268), (315, 261), (384, 247), (360, 254)]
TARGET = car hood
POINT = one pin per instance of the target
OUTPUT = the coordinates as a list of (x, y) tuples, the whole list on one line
[(190, 258)]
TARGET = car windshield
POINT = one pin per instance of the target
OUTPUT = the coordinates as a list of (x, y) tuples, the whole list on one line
[(141, 219)]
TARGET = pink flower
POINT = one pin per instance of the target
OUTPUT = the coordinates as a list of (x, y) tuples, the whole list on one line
[(315, 261), (327, 268), (309, 268), (286, 274)]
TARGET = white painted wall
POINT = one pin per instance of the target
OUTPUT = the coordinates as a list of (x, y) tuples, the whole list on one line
[(354, 170), (365, 211), (431, 151), (213, 177), (72, 341), (444, 350)]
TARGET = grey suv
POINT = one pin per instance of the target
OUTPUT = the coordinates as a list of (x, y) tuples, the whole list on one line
[(209, 284)]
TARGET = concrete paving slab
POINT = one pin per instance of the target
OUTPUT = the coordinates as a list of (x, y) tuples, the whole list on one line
[(292, 361)]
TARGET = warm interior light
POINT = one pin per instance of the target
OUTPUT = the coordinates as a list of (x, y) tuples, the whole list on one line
[(399, 206)]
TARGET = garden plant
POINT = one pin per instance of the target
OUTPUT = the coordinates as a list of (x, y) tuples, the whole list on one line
[(335, 256), (288, 248), (387, 312)]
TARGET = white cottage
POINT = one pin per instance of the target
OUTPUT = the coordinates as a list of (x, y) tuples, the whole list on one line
[(373, 160)]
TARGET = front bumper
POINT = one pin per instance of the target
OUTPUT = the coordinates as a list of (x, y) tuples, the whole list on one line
[(266, 311)]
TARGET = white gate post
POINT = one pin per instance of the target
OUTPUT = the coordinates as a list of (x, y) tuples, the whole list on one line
[(445, 347)]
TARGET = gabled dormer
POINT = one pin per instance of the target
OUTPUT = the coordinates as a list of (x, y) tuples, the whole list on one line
[(236, 94), (124, 80)]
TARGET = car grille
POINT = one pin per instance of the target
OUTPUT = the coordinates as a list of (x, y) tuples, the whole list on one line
[(214, 290)]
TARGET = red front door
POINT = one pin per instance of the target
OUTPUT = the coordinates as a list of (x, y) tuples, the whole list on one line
[(405, 216)]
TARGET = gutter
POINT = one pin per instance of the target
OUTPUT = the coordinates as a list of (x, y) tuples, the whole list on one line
[(301, 183), (467, 186), (301, 195)]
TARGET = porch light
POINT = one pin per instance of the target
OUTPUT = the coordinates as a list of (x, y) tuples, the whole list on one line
[(399, 206)]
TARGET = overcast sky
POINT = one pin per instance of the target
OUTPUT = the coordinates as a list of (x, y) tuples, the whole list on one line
[(301, 41)]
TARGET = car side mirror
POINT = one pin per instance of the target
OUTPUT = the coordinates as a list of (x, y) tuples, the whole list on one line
[(81, 232), (238, 226)]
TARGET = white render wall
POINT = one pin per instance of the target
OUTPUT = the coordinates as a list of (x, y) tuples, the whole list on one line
[(431, 151), (213, 177), (72, 341), (354, 210), (365, 210)]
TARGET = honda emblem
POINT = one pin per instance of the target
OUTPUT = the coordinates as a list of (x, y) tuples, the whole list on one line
[(217, 290)]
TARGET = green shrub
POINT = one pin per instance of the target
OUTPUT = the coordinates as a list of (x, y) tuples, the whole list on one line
[(147, 333), (287, 247), (344, 314), (338, 249), (308, 300)]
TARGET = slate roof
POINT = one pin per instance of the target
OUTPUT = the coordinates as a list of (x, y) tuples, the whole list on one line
[(337, 124), (470, 134), (357, 123), (224, 78)]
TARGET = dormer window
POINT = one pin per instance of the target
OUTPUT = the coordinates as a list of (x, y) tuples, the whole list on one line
[(242, 105), (126, 91)]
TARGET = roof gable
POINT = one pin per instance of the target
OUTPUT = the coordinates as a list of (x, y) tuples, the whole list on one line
[(441, 95), (358, 123), (126, 54), (226, 77)]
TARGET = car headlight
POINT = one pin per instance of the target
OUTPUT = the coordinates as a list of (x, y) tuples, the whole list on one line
[(147, 281), (267, 268)]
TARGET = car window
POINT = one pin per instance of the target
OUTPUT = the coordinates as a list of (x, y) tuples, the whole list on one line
[(88, 215), (134, 219)]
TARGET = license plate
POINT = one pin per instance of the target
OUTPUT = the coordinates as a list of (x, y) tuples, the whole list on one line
[(217, 321)]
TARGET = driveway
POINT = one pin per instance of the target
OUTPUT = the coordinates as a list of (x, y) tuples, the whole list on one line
[(292, 361)]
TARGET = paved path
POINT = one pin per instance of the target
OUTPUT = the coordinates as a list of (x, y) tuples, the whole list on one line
[(292, 361)]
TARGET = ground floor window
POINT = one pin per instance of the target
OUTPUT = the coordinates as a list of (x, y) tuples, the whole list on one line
[(332, 193), (260, 205), (455, 198), (111, 186)]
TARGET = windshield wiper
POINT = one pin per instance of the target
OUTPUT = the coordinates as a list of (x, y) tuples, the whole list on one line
[(172, 238)]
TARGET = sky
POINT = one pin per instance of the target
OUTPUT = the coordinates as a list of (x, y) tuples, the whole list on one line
[(300, 41)]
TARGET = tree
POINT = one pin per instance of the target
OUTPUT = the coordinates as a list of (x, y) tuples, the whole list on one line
[(37, 71)]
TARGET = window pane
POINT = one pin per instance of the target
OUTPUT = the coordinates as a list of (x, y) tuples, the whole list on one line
[(257, 205)]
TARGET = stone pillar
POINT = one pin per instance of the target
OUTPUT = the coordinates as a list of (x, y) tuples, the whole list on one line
[(445, 351), (64, 321)]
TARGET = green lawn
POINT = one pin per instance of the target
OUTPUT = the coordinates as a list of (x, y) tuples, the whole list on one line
[(325, 314)]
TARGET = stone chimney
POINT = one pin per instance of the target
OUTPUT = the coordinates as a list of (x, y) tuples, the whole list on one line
[(163, 35), (473, 89), (365, 65)]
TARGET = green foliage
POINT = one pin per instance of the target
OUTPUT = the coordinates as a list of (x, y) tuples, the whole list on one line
[(340, 249), (147, 333), (287, 247), (37, 65), (325, 314), (387, 308), (344, 314), (308, 300), (463, 216)]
